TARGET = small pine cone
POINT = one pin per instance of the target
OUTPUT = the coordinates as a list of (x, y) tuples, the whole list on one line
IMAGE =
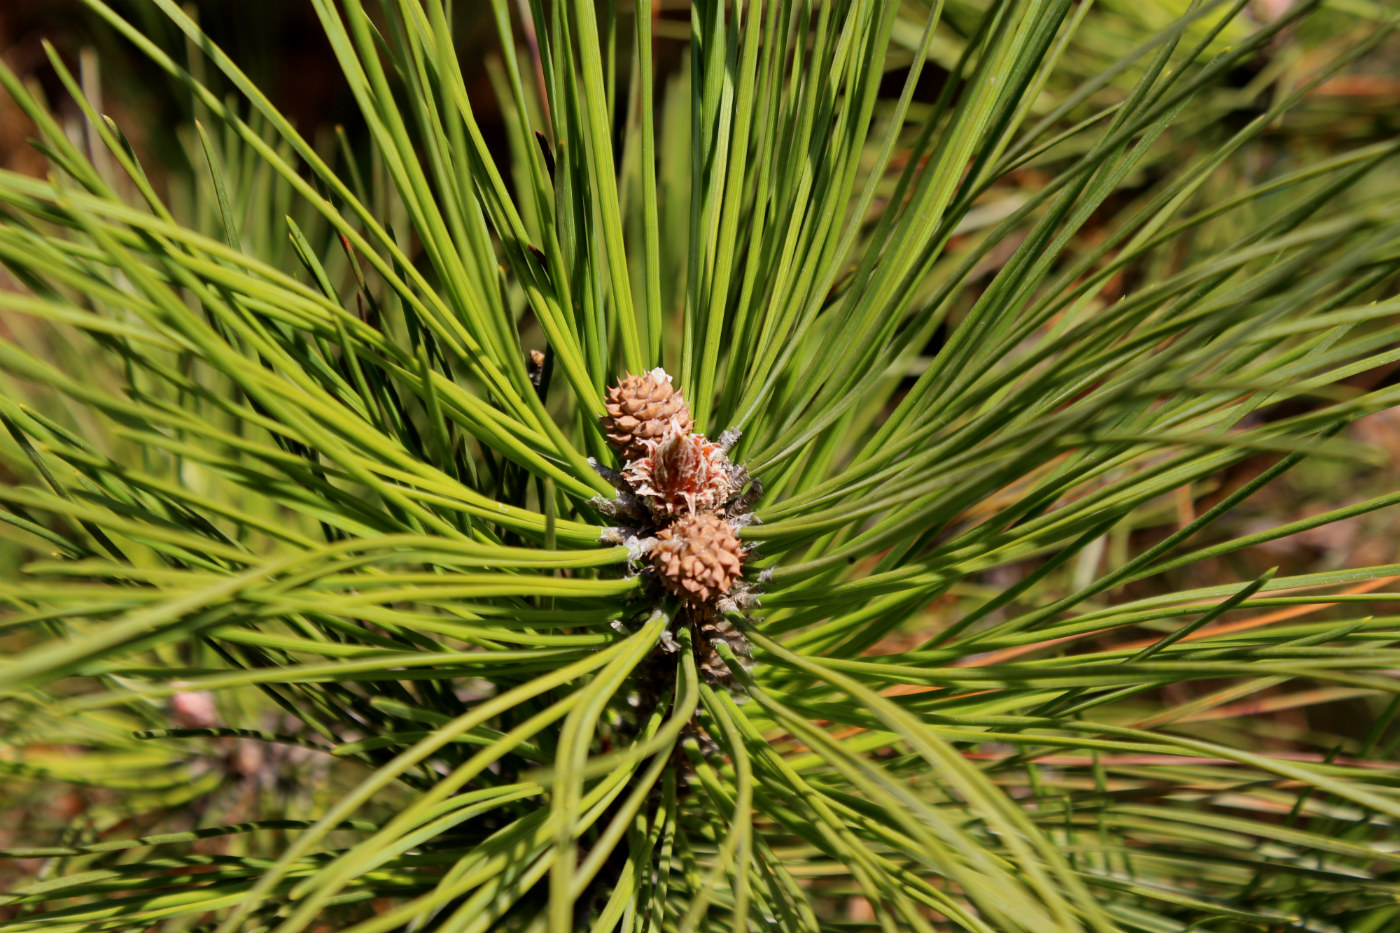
[(679, 474), (641, 409), (698, 558), (711, 629), (714, 627)]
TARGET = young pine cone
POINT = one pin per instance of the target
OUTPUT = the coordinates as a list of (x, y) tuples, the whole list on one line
[(679, 474), (698, 558), (711, 629), (641, 409)]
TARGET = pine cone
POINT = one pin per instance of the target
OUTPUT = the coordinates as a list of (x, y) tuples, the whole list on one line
[(698, 558), (679, 474), (710, 629), (640, 409)]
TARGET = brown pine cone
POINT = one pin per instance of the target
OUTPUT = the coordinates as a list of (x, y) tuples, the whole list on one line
[(711, 628), (698, 558), (640, 409)]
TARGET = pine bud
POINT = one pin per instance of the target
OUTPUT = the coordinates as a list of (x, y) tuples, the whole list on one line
[(680, 474)]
